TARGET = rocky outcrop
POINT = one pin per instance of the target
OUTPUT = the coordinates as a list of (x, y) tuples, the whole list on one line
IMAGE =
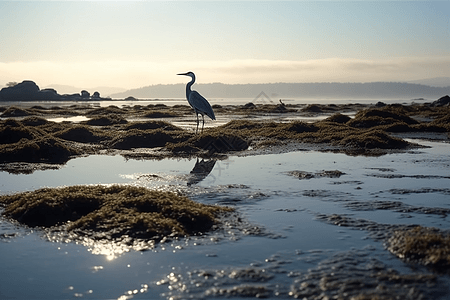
[(443, 101), (28, 90)]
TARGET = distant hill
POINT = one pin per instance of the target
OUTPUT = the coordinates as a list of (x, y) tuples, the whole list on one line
[(327, 90), (435, 82)]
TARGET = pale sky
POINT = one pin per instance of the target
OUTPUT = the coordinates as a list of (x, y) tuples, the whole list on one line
[(132, 44)]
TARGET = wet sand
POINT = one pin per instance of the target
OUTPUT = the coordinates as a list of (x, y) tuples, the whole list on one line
[(339, 195)]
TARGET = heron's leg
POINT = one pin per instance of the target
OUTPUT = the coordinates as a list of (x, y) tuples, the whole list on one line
[(203, 124), (196, 130)]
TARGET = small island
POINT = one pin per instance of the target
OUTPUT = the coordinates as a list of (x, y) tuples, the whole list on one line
[(28, 90)]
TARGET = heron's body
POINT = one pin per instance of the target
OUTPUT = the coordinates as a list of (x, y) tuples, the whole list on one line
[(198, 102)]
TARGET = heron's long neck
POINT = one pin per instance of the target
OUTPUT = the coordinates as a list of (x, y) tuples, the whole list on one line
[(188, 87)]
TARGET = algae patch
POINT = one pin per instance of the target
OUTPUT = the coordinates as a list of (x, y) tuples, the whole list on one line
[(308, 175), (111, 212), (424, 245)]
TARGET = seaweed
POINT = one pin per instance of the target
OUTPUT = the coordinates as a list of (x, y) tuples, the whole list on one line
[(366, 134), (375, 117), (105, 120), (112, 211), (15, 112), (48, 149), (81, 133), (424, 245), (102, 111), (136, 138)]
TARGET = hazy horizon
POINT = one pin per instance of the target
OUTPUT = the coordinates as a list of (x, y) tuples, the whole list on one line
[(439, 82), (130, 44)]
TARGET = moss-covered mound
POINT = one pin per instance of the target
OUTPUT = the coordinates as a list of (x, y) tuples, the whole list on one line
[(15, 112), (103, 111), (112, 211), (106, 120), (338, 118), (13, 134), (135, 138), (159, 114), (47, 149), (32, 143), (34, 121), (220, 143), (152, 125), (80, 133), (424, 245), (375, 117)]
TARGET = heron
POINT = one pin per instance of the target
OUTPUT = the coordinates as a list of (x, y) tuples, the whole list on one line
[(198, 102)]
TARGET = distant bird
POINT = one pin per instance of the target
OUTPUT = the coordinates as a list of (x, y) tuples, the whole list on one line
[(197, 101)]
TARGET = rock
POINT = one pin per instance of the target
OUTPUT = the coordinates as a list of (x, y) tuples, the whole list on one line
[(249, 105), (96, 95), (27, 90), (49, 94), (443, 101), (85, 94), (312, 108), (71, 96)]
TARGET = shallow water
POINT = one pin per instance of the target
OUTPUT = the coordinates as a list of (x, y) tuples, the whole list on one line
[(219, 101), (288, 239)]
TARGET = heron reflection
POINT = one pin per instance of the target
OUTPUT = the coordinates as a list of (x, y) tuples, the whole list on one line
[(201, 169)]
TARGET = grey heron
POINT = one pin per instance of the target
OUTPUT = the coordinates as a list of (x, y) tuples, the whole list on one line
[(197, 101)]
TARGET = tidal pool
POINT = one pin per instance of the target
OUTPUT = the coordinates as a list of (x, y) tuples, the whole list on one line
[(286, 251)]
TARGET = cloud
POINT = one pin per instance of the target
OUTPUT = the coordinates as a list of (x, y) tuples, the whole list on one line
[(340, 70), (132, 74)]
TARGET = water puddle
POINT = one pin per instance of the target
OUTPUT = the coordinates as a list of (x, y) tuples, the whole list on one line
[(316, 224), (75, 119)]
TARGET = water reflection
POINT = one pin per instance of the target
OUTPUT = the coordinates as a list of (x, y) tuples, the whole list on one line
[(201, 170), (75, 119)]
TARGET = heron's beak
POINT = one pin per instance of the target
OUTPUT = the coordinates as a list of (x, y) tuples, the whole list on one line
[(182, 74)]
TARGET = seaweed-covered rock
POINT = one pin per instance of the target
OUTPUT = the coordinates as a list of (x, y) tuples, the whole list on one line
[(34, 121), (13, 134), (105, 120), (249, 105), (312, 108), (15, 112), (44, 149), (308, 175), (141, 139), (113, 211), (378, 117), (152, 125), (299, 127), (102, 111), (159, 114), (79, 133), (221, 143), (424, 245), (338, 118), (373, 139)]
